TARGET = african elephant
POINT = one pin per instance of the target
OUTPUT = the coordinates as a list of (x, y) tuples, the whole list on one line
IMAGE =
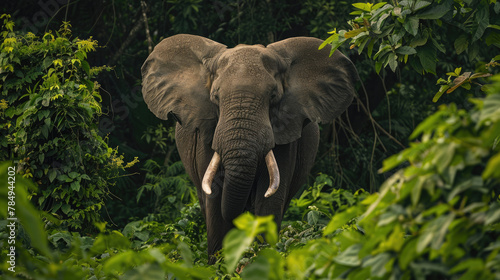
[(247, 118)]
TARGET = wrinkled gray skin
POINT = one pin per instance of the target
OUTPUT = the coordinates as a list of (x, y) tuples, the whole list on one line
[(242, 102)]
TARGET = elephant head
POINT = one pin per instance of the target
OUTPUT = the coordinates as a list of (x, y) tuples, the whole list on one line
[(245, 100)]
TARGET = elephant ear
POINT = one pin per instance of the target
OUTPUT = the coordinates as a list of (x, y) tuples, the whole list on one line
[(175, 79), (317, 87)]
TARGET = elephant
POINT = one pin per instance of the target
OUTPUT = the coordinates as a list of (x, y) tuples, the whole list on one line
[(246, 118)]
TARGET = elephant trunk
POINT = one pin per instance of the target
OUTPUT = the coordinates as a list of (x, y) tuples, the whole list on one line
[(242, 139), (240, 167)]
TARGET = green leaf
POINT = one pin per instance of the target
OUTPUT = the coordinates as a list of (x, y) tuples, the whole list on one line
[(491, 108), (482, 20), (406, 50), (367, 7), (186, 254), (474, 264), (420, 5), (312, 217), (329, 40), (408, 254), (65, 178), (411, 25), (86, 67), (377, 264), (350, 256), (340, 219), (441, 91), (393, 62), (239, 239), (41, 157), (428, 57), (492, 169), (436, 12), (145, 271), (113, 239), (235, 244), (461, 44), (420, 39), (269, 264), (52, 174), (66, 208), (75, 185)]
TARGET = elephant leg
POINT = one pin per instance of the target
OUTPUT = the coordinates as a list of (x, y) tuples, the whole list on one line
[(295, 161), (195, 156), (274, 205), (217, 227), (307, 147)]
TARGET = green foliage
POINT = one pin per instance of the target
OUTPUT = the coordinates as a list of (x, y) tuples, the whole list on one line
[(50, 104), (170, 189), (437, 218), (412, 31), (248, 227)]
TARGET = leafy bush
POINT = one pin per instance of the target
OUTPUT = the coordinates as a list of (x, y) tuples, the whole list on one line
[(169, 188), (50, 105)]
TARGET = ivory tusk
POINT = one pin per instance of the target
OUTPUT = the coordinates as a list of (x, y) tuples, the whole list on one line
[(274, 174), (208, 178)]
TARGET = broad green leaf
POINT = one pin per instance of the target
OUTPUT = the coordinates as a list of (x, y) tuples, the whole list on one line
[(269, 264), (461, 44), (75, 185), (482, 19), (330, 39), (428, 57), (313, 217), (436, 12), (378, 6), (52, 174), (408, 254), (377, 264), (411, 25), (239, 239), (354, 32), (349, 257), (186, 254), (406, 50), (492, 169), (112, 240), (475, 264), (393, 62), (491, 108), (235, 244), (145, 271), (443, 224), (367, 7), (420, 4), (420, 39), (66, 208), (474, 182), (340, 219), (429, 124)]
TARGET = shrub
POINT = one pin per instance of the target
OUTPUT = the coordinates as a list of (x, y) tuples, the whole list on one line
[(49, 109)]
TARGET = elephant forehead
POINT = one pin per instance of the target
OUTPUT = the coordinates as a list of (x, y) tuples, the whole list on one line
[(246, 57)]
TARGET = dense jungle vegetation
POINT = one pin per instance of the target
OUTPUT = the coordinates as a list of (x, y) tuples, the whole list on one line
[(406, 184)]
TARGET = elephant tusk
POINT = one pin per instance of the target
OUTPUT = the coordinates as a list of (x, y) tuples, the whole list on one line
[(208, 178), (274, 174)]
